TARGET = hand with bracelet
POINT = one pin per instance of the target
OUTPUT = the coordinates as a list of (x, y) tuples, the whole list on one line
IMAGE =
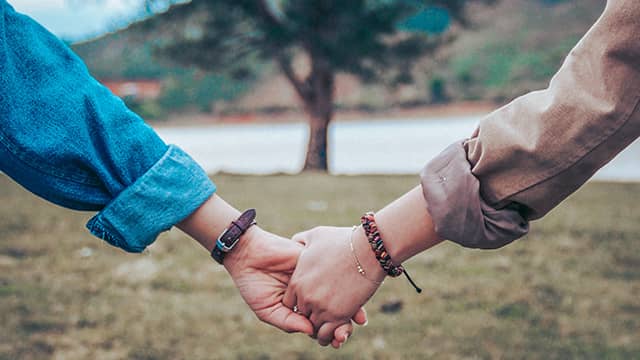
[(339, 271), (259, 262)]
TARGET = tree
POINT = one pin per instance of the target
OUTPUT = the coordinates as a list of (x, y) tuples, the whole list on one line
[(371, 39)]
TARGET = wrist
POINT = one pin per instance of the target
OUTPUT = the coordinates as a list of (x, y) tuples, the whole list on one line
[(366, 256), (235, 258), (406, 226), (209, 221)]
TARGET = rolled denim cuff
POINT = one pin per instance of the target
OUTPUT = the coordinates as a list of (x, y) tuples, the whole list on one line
[(459, 212), (166, 194)]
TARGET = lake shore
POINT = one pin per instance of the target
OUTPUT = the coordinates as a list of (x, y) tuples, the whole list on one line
[(391, 146), (418, 113)]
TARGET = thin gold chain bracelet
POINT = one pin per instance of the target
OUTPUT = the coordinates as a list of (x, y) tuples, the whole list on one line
[(355, 257)]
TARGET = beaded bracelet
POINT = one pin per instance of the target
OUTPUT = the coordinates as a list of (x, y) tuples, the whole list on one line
[(377, 245)]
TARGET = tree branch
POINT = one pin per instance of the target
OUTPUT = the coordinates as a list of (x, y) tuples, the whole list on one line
[(300, 86)]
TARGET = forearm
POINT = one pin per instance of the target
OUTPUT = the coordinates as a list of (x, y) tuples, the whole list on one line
[(406, 226), (206, 223), (209, 221), (406, 229)]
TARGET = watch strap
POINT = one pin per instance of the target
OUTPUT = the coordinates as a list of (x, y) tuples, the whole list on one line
[(231, 235)]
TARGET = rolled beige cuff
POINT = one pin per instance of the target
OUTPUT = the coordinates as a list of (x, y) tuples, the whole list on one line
[(459, 212)]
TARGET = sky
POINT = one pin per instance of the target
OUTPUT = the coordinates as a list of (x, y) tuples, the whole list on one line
[(78, 19)]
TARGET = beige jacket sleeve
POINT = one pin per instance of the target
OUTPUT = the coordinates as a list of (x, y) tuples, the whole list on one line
[(528, 156)]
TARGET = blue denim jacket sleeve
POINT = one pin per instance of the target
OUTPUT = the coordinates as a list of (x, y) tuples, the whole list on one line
[(66, 138)]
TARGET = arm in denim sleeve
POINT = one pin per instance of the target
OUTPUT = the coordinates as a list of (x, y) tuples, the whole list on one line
[(66, 138), (527, 157)]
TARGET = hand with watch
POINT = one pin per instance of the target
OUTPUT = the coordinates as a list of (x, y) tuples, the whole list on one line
[(260, 263)]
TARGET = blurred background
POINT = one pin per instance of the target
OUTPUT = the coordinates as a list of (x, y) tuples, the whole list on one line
[(304, 109)]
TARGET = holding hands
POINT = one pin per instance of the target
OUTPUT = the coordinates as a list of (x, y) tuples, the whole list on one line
[(261, 269), (317, 282)]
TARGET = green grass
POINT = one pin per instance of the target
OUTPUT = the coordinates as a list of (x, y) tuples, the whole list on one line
[(571, 289)]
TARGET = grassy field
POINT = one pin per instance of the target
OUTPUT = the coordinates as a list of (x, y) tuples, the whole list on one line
[(571, 289)]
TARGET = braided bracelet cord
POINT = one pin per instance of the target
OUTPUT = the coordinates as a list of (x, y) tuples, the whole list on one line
[(377, 245)]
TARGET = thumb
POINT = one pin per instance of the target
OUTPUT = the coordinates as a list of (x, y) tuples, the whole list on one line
[(297, 323), (301, 238), (285, 319), (360, 317)]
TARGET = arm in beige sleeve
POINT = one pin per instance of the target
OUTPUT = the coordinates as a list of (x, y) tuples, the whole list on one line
[(527, 157)]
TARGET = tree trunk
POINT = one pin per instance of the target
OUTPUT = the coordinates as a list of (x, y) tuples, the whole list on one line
[(319, 106), (318, 143)]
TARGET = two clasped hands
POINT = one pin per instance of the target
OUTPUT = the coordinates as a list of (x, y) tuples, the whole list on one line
[(317, 282), (307, 285)]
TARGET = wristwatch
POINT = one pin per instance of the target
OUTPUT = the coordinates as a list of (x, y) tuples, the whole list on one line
[(231, 235)]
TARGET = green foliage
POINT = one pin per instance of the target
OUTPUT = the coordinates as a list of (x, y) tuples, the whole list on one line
[(146, 109), (361, 37), (553, 2), (515, 49), (190, 88), (121, 56), (437, 87), (431, 20), (521, 45), (501, 67), (130, 54)]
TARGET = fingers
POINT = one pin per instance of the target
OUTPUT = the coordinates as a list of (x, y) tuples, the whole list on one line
[(325, 333), (344, 331), (360, 317), (298, 323), (341, 334), (288, 321), (290, 299)]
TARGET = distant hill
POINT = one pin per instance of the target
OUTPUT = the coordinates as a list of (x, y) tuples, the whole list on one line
[(128, 54), (513, 47)]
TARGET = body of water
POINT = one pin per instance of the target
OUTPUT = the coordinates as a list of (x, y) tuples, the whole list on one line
[(355, 147)]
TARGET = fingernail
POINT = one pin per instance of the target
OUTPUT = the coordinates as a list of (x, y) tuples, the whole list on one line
[(366, 322), (346, 337)]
